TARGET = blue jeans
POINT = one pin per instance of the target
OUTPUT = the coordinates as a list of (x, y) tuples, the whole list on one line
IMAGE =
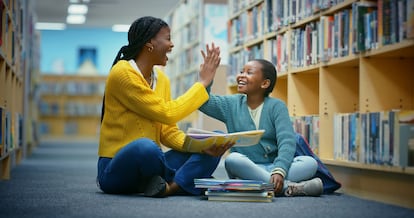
[(239, 166), (130, 169)]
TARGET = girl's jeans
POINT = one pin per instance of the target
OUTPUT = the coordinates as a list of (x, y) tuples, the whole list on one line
[(241, 167)]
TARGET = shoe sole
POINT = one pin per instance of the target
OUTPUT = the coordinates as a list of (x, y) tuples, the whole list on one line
[(156, 187)]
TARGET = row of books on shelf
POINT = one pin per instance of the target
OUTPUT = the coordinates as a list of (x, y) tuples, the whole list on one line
[(186, 60), (253, 18), (380, 138), (362, 27), (11, 16), (183, 14), (392, 19), (188, 34), (69, 128), (236, 190), (70, 108), (72, 88), (11, 131)]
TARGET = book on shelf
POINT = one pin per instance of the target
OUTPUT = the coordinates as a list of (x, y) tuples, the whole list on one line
[(381, 138), (405, 152), (197, 139), (236, 190), (410, 19)]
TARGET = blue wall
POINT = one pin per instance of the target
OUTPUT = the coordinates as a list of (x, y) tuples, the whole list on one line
[(63, 46)]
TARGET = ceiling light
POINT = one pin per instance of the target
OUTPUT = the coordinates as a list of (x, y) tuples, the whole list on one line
[(120, 28), (75, 19), (77, 9), (78, 1), (50, 26)]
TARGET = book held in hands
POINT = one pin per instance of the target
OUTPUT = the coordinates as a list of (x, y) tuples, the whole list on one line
[(197, 139)]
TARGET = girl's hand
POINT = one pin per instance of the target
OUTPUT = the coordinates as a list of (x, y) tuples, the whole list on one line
[(277, 180), (218, 150)]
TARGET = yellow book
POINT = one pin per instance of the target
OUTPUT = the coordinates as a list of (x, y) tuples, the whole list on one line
[(197, 139)]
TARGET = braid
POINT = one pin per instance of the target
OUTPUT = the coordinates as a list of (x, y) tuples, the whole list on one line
[(141, 31)]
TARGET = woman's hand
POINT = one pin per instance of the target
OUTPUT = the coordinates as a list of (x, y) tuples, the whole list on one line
[(211, 62), (218, 150), (277, 180)]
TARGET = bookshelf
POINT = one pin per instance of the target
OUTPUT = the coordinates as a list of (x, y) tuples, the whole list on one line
[(18, 60), (70, 105), (330, 64), (194, 24)]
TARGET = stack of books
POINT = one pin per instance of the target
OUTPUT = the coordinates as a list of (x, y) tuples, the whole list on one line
[(236, 190)]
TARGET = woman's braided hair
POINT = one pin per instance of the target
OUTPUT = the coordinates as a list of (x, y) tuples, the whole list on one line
[(141, 31)]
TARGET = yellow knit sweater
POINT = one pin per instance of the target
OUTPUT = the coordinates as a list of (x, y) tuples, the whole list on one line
[(133, 110)]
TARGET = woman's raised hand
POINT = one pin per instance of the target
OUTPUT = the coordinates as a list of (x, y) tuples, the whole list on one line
[(211, 62)]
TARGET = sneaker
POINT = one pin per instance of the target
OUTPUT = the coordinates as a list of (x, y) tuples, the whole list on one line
[(313, 187), (156, 187)]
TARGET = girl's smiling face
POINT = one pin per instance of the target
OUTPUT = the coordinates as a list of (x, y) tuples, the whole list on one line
[(250, 80)]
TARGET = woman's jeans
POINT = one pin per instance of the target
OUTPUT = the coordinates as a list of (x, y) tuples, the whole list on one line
[(130, 169), (239, 166)]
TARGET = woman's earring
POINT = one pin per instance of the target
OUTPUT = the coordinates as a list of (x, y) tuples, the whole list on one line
[(150, 49)]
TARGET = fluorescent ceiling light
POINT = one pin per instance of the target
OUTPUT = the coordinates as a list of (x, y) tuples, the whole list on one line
[(120, 28), (50, 26), (75, 19), (77, 9), (79, 1)]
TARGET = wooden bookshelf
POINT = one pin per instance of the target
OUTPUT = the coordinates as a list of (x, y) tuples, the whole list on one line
[(334, 76), (193, 25), (18, 59), (70, 105)]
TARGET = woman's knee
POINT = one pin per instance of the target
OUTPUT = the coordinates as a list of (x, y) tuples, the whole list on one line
[(143, 146)]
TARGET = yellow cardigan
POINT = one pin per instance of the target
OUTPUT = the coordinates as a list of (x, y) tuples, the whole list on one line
[(133, 110)]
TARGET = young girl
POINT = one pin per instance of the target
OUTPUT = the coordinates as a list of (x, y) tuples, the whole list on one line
[(272, 160)]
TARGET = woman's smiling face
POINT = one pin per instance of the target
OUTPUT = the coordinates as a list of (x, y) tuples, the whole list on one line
[(162, 45)]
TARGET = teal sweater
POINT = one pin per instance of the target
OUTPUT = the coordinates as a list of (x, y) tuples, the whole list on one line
[(277, 145)]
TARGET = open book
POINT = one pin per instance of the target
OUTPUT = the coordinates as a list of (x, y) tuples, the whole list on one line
[(198, 139)]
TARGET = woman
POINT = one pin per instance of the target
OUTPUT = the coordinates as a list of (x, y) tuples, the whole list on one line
[(272, 160), (138, 116)]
